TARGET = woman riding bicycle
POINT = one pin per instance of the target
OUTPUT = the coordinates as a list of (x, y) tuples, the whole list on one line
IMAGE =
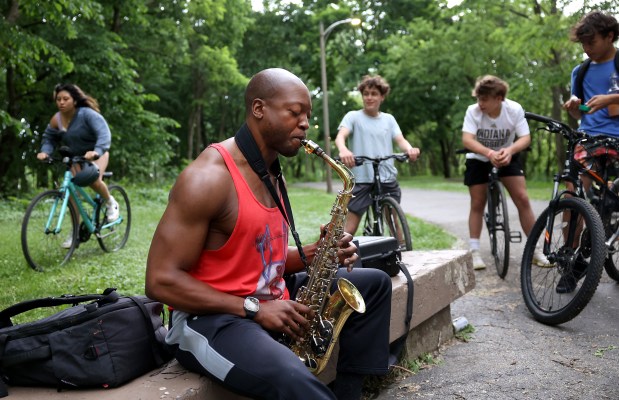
[(372, 134), (79, 125), (489, 131)]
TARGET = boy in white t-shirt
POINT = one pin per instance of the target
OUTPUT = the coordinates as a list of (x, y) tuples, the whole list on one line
[(490, 129)]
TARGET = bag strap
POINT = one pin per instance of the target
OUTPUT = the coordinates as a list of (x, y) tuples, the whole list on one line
[(580, 75), (395, 348), (149, 328), (247, 144), (108, 296)]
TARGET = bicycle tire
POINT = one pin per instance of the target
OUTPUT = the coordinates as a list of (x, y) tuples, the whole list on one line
[(610, 219), (44, 249), (611, 224), (612, 259), (540, 284), (393, 223), (114, 237), (498, 228)]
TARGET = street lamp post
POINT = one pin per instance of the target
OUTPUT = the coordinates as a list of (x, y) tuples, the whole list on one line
[(325, 92)]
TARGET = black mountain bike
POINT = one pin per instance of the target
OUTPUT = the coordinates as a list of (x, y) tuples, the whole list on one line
[(600, 155), (572, 236), (385, 216), (496, 218)]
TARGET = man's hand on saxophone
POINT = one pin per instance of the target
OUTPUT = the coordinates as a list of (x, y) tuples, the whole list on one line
[(347, 252), (288, 317)]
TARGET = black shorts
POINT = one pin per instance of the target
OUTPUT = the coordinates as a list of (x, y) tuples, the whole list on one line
[(477, 171), (361, 195)]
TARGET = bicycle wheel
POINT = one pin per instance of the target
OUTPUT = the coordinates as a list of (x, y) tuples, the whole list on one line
[(497, 222), (393, 223), (42, 247), (113, 236), (559, 291), (612, 259), (610, 219)]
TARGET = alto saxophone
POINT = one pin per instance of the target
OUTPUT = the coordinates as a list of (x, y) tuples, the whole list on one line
[(330, 310)]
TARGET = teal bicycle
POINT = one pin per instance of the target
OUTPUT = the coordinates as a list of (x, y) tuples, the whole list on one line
[(51, 230)]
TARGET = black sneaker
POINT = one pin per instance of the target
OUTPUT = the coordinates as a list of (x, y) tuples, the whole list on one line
[(569, 280)]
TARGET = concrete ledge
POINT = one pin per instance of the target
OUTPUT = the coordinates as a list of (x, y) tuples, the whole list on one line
[(439, 278)]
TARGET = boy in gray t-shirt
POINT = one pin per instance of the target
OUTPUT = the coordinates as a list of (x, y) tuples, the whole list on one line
[(371, 134)]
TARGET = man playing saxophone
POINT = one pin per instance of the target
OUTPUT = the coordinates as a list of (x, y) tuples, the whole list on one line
[(220, 259)]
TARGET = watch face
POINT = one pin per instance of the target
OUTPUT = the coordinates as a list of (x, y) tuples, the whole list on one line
[(251, 304)]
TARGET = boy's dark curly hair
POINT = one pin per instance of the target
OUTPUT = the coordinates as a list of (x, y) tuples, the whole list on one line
[(592, 23)]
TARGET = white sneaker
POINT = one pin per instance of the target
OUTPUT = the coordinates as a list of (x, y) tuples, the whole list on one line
[(112, 213), (540, 259), (67, 243), (478, 263)]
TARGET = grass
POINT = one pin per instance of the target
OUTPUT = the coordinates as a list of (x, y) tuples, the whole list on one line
[(91, 270)]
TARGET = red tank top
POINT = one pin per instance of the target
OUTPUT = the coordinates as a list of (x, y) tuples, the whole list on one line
[(252, 261)]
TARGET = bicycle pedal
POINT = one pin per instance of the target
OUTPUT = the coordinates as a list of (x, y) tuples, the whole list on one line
[(515, 237)]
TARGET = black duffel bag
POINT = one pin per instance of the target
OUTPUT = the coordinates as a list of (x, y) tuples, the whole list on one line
[(108, 341)]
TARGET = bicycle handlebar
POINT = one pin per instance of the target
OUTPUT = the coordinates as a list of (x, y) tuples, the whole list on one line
[(540, 118), (360, 160), (67, 157), (555, 126)]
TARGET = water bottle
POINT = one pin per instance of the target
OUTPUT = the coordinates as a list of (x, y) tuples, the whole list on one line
[(613, 109)]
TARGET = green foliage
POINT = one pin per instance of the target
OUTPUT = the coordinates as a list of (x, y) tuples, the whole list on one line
[(170, 75), (465, 335), (601, 351), (125, 54)]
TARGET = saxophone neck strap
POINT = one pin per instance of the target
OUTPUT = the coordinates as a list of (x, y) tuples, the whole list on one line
[(246, 143)]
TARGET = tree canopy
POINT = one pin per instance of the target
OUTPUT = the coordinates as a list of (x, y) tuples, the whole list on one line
[(170, 74)]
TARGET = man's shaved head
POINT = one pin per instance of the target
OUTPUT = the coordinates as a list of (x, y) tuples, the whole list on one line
[(267, 83)]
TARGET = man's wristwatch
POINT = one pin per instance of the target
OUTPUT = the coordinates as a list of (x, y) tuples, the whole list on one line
[(251, 306)]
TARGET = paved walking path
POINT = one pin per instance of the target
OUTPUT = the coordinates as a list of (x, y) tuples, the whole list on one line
[(511, 356)]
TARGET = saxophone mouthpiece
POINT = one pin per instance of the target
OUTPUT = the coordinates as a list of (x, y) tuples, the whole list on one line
[(311, 147)]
